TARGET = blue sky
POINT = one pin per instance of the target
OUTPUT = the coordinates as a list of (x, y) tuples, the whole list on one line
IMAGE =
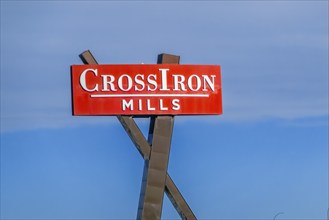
[(268, 152)]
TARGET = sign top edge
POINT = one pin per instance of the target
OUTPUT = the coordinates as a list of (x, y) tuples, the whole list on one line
[(138, 64)]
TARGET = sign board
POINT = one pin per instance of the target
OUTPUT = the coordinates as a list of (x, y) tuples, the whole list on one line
[(143, 89)]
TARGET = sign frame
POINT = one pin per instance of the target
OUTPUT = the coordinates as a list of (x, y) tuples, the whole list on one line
[(146, 89)]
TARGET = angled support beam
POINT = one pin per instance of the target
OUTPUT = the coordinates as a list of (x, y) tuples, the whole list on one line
[(144, 146)]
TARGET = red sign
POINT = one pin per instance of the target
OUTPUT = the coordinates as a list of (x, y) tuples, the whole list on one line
[(142, 89)]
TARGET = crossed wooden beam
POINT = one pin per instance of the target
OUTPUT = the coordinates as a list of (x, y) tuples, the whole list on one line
[(155, 152)]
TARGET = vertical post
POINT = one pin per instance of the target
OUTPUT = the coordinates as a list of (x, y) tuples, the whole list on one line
[(155, 169)]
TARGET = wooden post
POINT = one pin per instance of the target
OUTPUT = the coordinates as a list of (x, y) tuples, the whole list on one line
[(155, 170)]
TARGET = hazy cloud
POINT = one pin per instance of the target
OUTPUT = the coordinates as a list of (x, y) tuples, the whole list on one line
[(274, 55)]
